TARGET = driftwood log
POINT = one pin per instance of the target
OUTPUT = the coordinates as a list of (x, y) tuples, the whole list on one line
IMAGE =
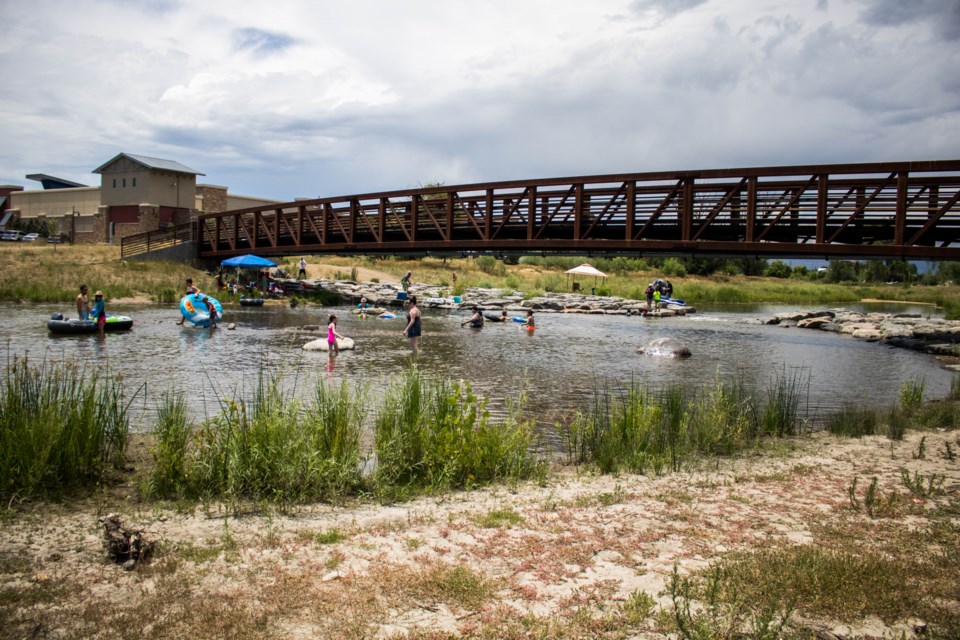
[(124, 546)]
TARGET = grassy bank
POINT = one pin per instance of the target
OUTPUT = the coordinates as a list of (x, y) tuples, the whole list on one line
[(537, 279), (65, 427), (35, 272), (39, 272)]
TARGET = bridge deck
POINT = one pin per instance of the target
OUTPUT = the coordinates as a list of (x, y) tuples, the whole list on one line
[(900, 209)]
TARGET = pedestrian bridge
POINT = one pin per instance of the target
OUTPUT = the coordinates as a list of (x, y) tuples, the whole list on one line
[(874, 210)]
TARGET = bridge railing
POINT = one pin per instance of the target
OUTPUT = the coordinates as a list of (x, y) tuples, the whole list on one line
[(907, 209), (152, 240)]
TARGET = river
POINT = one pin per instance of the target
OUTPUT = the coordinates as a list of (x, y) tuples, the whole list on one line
[(559, 365)]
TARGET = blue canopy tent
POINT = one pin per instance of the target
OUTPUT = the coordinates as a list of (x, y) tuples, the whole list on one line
[(250, 261)]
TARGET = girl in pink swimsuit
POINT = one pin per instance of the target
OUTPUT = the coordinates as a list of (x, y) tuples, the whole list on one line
[(332, 335)]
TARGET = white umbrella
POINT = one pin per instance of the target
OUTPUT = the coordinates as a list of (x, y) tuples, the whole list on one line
[(586, 270)]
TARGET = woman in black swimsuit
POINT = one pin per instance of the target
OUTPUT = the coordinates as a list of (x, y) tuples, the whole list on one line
[(413, 326)]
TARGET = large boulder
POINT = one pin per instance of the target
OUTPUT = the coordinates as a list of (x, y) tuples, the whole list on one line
[(665, 347), (321, 344)]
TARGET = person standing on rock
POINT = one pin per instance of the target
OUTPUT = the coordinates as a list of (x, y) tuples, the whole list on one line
[(649, 293), (413, 330), (656, 299), (405, 280), (303, 269)]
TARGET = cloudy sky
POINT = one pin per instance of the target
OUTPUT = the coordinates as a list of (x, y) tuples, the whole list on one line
[(287, 99)]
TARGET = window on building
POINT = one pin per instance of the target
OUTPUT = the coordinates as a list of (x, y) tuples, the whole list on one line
[(124, 182), (134, 182), (114, 183)]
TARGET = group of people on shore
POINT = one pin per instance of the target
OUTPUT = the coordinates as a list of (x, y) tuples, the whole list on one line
[(656, 291)]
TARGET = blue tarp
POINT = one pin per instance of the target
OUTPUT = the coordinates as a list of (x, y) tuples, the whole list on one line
[(248, 261)]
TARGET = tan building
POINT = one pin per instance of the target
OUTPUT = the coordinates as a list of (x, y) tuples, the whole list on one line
[(136, 194)]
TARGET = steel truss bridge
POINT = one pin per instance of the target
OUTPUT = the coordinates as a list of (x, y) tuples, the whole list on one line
[(903, 210)]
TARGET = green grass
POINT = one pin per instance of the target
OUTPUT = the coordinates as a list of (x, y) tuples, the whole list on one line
[(438, 435), (853, 422), (498, 519), (275, 448), (641, 429), (55, 276), (62, 427)]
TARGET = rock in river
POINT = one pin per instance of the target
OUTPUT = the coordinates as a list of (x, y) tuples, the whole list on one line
[(665, 347)]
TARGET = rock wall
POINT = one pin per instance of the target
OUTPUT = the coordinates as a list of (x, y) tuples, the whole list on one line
[(912, 331), (385, 295)]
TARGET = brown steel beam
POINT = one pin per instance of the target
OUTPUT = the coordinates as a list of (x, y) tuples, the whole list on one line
[(702, 208)]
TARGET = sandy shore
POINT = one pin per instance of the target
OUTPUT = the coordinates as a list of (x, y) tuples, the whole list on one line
[(557, 559)]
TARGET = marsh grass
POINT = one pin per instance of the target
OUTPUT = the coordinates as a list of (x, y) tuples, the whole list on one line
[(62, 427), (275, 448), (438, 434), (911, 411), (640, 429), (853, 422)]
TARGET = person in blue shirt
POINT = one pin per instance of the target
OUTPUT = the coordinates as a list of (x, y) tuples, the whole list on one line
[(99, 312)]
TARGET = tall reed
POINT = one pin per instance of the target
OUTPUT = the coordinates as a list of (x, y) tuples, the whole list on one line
[(639, 429), (438, 434), (62, 426), (780, 416), (274, 448), (172, 432)]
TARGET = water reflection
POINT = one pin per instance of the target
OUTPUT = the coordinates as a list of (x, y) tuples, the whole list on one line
[(558, 366)]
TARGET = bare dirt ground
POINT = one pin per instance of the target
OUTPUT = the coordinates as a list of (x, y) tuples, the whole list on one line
[(534, 560), (330, 270)]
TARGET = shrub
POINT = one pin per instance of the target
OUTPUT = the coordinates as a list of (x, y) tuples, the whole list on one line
[(491, 266), (777, 269), (673, 268)]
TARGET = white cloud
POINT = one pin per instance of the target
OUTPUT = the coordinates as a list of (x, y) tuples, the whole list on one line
[(308, 98)]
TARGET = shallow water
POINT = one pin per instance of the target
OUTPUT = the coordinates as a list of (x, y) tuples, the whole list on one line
[(559, 365)]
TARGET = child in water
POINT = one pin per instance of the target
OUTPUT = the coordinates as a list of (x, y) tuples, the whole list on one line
[(211, 311), (530, 323), (332, 335)]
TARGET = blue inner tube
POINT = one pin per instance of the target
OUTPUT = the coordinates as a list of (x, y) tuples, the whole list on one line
[(193, 309), (518, 319)]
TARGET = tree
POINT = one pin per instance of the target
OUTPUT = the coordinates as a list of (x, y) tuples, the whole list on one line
[(842, 271), (777, 269)]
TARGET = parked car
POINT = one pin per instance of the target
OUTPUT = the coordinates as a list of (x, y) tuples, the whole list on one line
[(55, 239), (12, 235), (31, 237)]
